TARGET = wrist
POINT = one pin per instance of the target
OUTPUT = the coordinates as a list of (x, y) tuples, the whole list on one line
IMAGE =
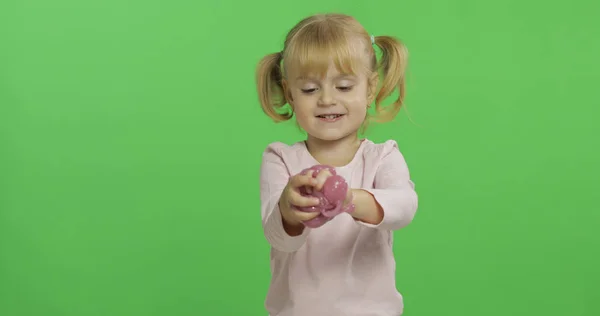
[(348, 205), (291, 227), (368, 209)]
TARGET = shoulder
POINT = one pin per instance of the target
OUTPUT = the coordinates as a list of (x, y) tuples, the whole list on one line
[(384, 159), (281, 149), (382, 149), (292, 156), (289, 157)]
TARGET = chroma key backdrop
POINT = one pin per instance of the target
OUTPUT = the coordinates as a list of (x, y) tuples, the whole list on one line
[(131, 140)]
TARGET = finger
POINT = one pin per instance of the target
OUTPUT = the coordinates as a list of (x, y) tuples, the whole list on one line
[(298, 200), (309, 189), (305, 216), (321, 178), (303, 180)]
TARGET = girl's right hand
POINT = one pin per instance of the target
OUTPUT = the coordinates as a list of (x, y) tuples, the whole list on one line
[(291, 198)]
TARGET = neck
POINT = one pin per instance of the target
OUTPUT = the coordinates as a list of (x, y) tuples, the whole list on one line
[(335, 153)]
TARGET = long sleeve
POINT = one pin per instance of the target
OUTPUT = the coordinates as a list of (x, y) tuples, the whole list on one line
[(394, 190), (274, 177)]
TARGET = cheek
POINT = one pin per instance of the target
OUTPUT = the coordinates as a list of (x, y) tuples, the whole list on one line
[(357, 101), (359, 112), (300, 99), (302, 109)]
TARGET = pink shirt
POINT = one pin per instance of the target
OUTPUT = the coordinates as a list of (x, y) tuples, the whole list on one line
[(345, 267)]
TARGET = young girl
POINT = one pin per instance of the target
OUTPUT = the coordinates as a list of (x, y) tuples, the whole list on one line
[(328, 74)]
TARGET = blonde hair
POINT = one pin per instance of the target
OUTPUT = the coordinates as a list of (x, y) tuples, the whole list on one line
[(309, 48)]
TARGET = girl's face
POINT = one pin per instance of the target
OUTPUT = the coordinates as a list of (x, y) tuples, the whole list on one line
[(332, 107)]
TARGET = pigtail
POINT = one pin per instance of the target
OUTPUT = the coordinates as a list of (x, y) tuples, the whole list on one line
[(393, 69), (270, 88)]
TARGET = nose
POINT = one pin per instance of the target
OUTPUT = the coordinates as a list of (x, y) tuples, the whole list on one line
[(326, 98)]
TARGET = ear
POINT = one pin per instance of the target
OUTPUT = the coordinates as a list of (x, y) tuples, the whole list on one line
[(372, 87), (287, 94)]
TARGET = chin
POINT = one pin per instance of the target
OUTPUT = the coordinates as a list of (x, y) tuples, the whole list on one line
[(330, 136), (329, 133), (327, 138)]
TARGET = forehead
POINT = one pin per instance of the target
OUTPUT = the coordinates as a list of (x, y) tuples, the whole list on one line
[(326, 59), (332, 71), (331, 74)]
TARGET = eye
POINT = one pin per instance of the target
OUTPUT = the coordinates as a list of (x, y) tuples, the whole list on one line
[(345, 89), (307, 91)]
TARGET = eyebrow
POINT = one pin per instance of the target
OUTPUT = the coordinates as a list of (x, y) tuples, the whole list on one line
[(341, 76)]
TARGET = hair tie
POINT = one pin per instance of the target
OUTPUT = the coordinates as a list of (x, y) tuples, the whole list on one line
[(372, 39)]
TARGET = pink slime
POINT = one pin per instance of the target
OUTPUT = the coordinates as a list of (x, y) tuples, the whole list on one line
[(331, 197)]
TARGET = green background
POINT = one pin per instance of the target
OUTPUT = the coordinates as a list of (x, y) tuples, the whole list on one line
[(131, 140)]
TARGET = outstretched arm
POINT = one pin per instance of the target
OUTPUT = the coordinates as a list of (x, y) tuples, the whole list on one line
[(274, 177), (393, 201)]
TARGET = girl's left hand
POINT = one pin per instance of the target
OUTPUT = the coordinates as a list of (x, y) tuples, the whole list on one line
[(321, 178), (349, 198)]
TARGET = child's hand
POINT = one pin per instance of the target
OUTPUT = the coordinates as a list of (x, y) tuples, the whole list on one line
[(291, 198), (332, 191), (322, 178)]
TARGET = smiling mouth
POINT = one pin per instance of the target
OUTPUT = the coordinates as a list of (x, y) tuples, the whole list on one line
[(330, 116)]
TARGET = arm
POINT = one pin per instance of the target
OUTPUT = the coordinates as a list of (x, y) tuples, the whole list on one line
[(274, 177), (393, 202)]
